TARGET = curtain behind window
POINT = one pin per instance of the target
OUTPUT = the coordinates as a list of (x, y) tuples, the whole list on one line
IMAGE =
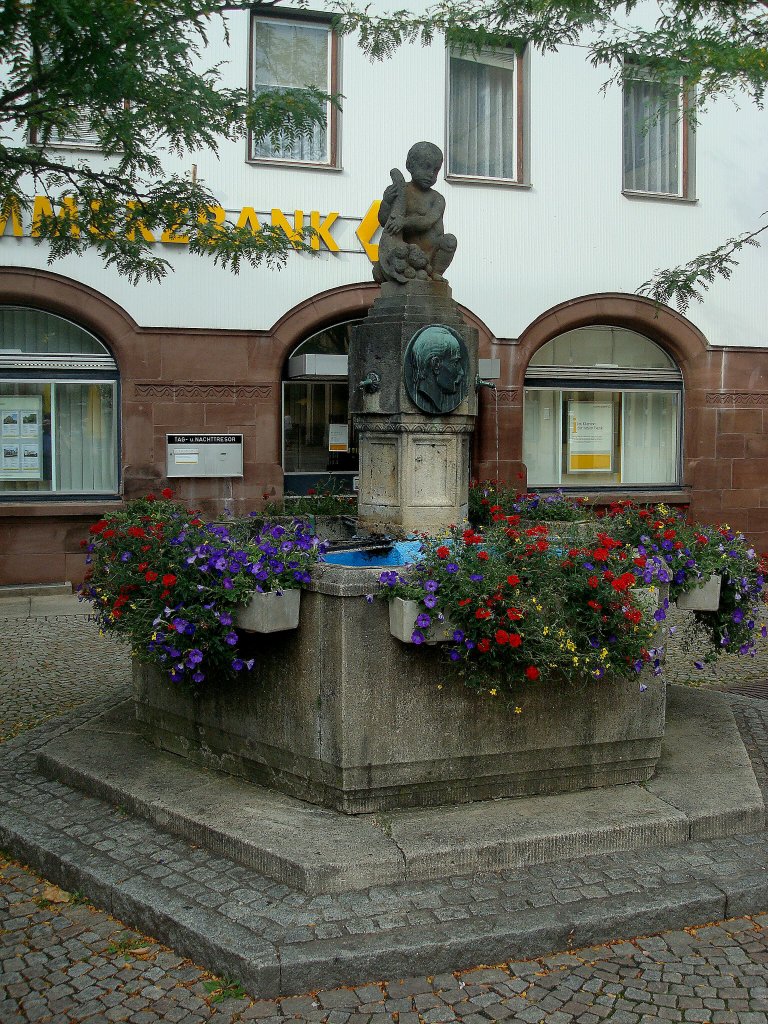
[(85, 437), (482, 129), (652, 126), (291, 56)]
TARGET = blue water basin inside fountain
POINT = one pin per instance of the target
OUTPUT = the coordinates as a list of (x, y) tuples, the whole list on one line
[(401, 553)]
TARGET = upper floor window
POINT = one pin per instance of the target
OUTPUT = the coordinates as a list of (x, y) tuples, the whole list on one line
[(658, 140), (485, 122), (296, 55), (58, 408)]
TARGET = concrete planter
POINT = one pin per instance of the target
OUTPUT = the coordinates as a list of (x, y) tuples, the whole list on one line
[(342, 714), (270, 613), (703, 598), (402, 623)]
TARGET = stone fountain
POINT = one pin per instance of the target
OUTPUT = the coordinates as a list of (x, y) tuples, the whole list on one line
[(340, 716)]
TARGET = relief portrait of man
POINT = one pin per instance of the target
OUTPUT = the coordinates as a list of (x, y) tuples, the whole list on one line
[(436, 370)]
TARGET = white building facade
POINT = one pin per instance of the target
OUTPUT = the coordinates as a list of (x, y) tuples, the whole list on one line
[(564, 199)]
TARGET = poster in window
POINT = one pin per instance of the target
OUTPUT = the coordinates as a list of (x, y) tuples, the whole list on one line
[(590, 437), (10, 423), (9, 456), (338, 437), (21, 437)]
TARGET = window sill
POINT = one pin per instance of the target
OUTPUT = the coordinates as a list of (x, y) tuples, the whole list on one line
[(641, 495), (461, 179), (659, 196), (297, 165), (68, 507)]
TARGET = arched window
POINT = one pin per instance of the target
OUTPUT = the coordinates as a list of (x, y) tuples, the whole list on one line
[(602, 409), (58, 408), (318, 436)]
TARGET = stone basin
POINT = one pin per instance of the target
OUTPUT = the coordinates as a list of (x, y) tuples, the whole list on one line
[(340, 713)]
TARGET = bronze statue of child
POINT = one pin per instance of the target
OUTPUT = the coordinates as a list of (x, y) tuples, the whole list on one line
[(414, 245)]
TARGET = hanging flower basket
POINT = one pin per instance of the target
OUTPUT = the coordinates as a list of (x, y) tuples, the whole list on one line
[(703, 598), (270, 612), (402, 623)]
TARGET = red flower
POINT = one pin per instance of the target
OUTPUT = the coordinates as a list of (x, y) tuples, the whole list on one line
[(136, 531), (482, 555), (167, 492), (595, 605), (168, 580), (600, 554), (482, 613), (483, 645), (108, 533), (532, 673), (513, 580), (443, 551), (464, 601), (98, 527), (515, 639), (150, 576), (640, 560), (633, 615), (151, 497), (311, 491), (514, 614), (142, 566), (623, 582), (593, 581), (502, 636)]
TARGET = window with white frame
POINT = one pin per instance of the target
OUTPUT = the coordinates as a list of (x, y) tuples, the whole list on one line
[(296, 54), (58, 408), (602, 409), (485, 122), (657, 140)]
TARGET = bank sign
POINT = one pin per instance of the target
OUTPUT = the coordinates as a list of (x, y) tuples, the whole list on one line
[(332, 231)]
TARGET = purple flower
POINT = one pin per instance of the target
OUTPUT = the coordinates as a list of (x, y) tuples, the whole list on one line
[(430, 600), (659, 615), (194, 657), (225, 618), (198, 677), (417, 637), (699, 665), (231, 638), (423, 620), (238, 664), (227, 583), (476, 577), (431, 585), (643, 687), (125, 556), (451, 568), (458, 636), (369, 598), (738, 615)]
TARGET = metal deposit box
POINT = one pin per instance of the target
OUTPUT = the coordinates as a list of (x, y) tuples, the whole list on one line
[(204, 455)]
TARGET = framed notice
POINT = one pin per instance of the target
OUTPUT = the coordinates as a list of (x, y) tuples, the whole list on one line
[(590, 437), (21, 437), (338, 437)]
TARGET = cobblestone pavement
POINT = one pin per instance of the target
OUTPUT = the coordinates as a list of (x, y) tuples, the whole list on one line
[(64, 961)]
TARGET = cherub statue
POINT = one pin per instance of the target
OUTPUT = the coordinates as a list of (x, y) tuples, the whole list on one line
[(414, 244)]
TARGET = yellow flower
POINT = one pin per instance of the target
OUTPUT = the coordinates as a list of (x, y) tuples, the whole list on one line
[(493, 692), (518, 711)]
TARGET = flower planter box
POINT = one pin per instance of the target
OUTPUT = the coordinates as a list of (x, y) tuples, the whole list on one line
[(402, 623), (703, 598), (270, 613), (344, 715)]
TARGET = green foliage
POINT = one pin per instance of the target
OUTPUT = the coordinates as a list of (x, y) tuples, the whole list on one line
[(135, 72), (220, 989)]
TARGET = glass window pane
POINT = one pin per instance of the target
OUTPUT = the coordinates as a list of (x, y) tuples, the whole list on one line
[(316, 424), (292, 56), (31, 330), (652, 127), (651, 437), (25, 438), (85, 437), (603, 346), (482, 115), (541, 436)]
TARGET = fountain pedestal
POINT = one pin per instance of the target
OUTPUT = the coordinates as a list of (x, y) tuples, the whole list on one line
[(416, 413), (340, 713)]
